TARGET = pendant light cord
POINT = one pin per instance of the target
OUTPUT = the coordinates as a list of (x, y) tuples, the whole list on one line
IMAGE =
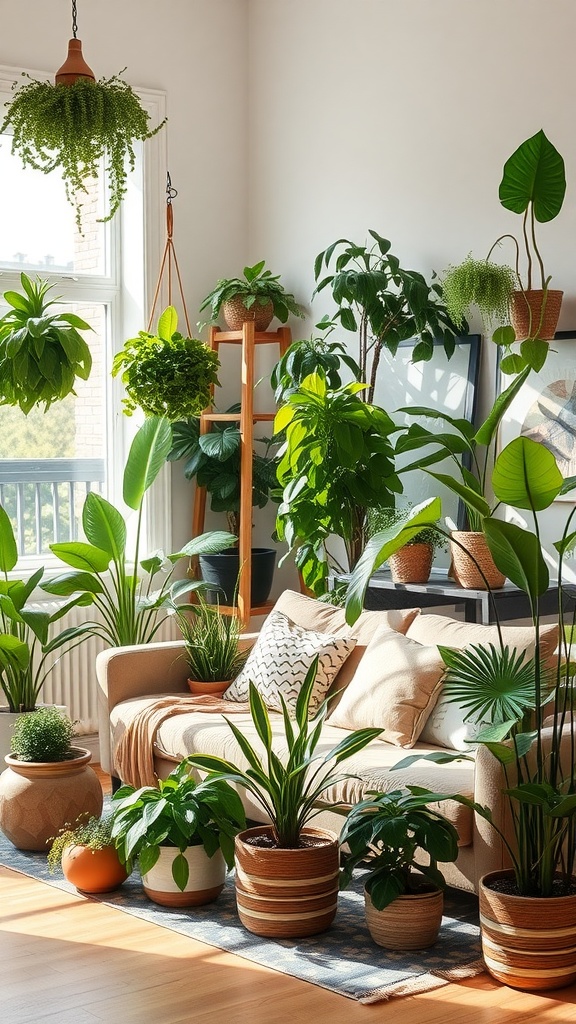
[(74, 19)]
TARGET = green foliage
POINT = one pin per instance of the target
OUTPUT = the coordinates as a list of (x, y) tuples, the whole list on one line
[(43, 735), (479, 283), (41, 353), (379, 519), (74, 127), (337, 461), (91, 832), (288, 792), (257, 287), (179, 812), (311, 356), (166, 374), (213, 459), (212, 642), (383, 302), (389, 829), (126, 591)]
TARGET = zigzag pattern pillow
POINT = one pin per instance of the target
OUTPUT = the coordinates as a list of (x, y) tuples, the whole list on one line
[(280, 659)]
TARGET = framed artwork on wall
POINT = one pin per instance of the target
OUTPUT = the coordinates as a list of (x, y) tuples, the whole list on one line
[(447, 385), (545, 408)]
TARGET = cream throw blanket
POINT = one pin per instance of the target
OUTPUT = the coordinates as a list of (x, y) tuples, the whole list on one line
[(134, 755)]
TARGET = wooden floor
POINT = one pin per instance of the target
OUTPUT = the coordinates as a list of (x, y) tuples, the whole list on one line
[(65, 959)]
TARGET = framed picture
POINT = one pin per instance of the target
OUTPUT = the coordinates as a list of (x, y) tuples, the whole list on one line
[(545, 408), (447, 385)]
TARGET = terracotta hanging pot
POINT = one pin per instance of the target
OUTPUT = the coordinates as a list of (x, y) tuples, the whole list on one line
[(74, 67), (235, 314), (526, 312), (93, 870), (464, 570), (286, 894), (528, 942), (411, 564), (205, 882), (411, 921)]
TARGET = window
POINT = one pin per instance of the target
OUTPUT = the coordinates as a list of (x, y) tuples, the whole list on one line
[(49, 460)]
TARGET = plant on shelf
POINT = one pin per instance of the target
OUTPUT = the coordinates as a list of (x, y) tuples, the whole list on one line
[(257, 296), (74, 127), (213, 646), (386, 834), (102, 573), (310, 356), (287, 792), (336, 462), (182, 833), (87, 855), (411, 563), (41, 353), (44, 735), (166, 374), (383, 302)]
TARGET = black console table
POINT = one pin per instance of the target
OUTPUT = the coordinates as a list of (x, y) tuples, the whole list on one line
[(511, 603)]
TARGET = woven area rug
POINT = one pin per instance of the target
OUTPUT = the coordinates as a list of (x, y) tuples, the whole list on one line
[(344, 959)]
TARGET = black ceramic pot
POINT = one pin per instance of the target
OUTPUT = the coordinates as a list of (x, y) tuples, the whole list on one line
[(221, 572)]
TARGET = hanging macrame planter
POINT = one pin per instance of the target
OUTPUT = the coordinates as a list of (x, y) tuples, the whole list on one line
[(75, 123)]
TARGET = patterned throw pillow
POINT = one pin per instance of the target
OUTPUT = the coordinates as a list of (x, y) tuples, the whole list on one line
[(280, 659)]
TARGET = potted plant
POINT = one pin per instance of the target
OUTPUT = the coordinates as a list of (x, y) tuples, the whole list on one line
[(47, 782), (480, 283), (182, 833), (386, 834), (41, 353), (166, 374), (213, 646), (213, 460), (87, 855), (102, 570), (412, 563), (383, 302), (258, 296), (286, 862), (309, 356)]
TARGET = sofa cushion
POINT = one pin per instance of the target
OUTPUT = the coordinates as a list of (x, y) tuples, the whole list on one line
[(280, 659), (394, 689)]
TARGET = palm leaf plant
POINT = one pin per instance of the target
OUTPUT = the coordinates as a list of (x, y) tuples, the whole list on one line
[(127, 590)]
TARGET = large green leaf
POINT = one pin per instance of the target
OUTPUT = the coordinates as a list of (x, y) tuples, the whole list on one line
[(167, 323), (486, 432), (526, 475), (82, 556), (104, 526), (469, 496), (534, 174), (8, 549), (148, 453), (517, 553)]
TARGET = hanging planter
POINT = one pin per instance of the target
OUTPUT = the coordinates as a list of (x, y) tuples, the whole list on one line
[(75, 123)]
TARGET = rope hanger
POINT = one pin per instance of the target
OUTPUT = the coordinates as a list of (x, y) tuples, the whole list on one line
[(169, 260)]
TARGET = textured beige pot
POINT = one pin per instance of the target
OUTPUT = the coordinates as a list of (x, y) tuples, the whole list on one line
[(464, 570), (526, 314), (205, 882), (412, 921), (412, 563), (38, 799)]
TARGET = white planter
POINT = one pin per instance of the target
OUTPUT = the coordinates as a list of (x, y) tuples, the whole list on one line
[(205, 883)]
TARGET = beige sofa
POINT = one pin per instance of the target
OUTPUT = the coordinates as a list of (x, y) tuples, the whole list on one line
[(394, 651)]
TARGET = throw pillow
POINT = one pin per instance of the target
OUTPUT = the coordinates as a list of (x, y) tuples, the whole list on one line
[(394, 690), (446, 727), (280, 659)]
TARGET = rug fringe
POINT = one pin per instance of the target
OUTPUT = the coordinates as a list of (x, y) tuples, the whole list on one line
[(424, 982)]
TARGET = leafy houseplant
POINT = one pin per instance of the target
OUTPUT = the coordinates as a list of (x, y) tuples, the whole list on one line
[(174, 816), (212, 644), (311, 355), (383, 302), (86, 853), (42, 736), (74, 127), (480, 283), (258, 296), (127, 591), (166, 374), (41, 353), (413, 562)]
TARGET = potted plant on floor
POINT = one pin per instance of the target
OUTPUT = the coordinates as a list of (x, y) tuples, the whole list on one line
[(403, 896), (48, 781), (182, 833), (213, 646), (286, 864), (87, 855), (258, 296)]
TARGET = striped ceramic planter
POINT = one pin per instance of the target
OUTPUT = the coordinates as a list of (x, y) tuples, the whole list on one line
[(528, 942), (205, 882), (286, 894)]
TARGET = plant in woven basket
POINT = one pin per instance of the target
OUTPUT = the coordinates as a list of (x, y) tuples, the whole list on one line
[(166, 374), (256, 290), (43, 735), (74, 127), (41, 353), (378, 519), (212, 642)]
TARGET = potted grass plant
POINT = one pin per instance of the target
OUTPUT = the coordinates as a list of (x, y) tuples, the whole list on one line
[(258, 295), (213, 646), (87, 855)]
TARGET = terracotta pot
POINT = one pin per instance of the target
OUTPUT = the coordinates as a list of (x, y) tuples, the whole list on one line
[(93, 870), (412, 563), (214, 689), (235, 314), (412, 921), (528, 942), (38, 799), (205, 883), (463, 569), (286, 894), (526, 311)]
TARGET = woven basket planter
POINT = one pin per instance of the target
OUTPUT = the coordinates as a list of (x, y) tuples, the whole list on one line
[(526, 310), (528, 942), (412, 564), (235, 314), (409, 922), (464, 570)]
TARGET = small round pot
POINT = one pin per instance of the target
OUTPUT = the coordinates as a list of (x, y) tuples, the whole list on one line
[(93, 870), (526, 311), (464, 570), (528, 942), (212, 689), (205, 883), (286, 894), (412, 563), (411, 921), (235, 314)]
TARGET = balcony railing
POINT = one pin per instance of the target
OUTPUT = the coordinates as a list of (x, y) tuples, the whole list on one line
[(44, 498)]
